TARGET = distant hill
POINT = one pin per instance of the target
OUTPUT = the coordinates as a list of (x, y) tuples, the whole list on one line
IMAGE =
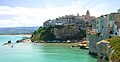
[(18, 30)]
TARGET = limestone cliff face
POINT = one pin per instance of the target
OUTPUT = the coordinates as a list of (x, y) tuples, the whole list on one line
[(58, 33), (103, 50), (93, 39), (65, 32)]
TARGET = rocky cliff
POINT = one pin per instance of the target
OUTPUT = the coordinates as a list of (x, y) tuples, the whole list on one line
[(58, 32), (103, 50), (108, 50), (65, 32)]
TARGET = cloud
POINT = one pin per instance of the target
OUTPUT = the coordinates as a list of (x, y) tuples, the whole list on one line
[(26, 16), (8, 23), (31, 16)]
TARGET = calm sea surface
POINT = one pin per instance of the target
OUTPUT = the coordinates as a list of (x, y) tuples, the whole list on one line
[(44, 52)]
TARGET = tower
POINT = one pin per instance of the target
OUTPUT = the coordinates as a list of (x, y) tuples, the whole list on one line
[(87, 13), (78, 14)]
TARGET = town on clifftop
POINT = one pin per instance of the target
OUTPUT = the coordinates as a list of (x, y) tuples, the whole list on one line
[(98, 31)]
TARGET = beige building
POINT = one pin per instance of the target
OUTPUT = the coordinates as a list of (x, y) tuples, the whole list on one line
[(88, 17), (82, 22)]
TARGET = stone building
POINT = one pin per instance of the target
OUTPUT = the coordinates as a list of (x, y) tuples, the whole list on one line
[(102, 28), (99, 32), (87, 16), (115, 23), (82, 22), (46, 23)]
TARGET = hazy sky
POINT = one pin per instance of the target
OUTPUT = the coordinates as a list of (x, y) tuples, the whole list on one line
[(14, 13)]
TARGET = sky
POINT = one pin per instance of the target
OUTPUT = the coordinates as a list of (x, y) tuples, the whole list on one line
[(19, 13)]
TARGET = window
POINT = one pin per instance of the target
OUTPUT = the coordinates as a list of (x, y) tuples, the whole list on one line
[(111, 32)]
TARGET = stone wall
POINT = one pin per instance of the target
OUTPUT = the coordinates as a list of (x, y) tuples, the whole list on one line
[(93, 39)]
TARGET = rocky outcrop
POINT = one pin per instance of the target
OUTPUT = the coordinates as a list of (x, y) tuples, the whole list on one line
[(103, 50), (58, 33), (93, 39), (65, 32)]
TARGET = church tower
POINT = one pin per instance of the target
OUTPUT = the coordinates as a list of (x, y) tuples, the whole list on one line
[(87, 13)]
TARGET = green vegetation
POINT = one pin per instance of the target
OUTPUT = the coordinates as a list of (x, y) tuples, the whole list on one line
[(43, 34), (46, 34), (115, 44)]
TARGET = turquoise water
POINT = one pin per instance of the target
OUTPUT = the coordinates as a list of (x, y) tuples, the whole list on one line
[(13, 38), (36, 52)]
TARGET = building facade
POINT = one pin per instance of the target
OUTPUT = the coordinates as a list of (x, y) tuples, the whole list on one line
[(99, 32), (103, 27), (81, 22)]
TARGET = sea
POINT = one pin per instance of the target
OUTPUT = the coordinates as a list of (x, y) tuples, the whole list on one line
[(40, 52)]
